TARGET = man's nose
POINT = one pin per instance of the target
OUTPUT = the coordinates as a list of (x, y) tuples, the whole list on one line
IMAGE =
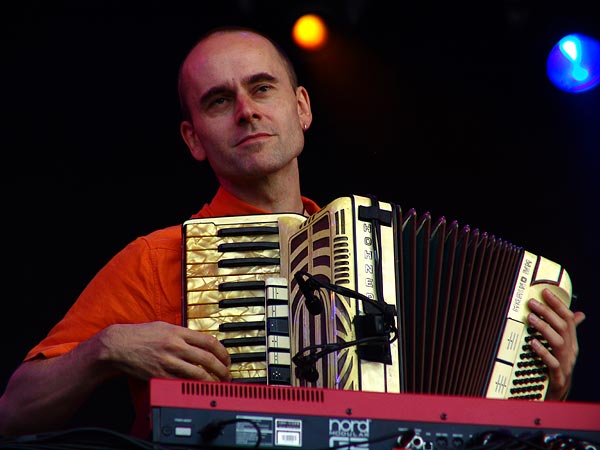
[(246, 110)]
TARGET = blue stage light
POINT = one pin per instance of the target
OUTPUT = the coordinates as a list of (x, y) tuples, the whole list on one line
[(573, 64)]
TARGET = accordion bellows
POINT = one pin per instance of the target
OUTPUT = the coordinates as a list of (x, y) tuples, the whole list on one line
[(459, 295)]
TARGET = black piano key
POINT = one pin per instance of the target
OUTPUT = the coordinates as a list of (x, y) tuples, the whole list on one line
[(241, 285), (248, 231), (247, 246), (238, 342), (244, 262), (270, 300), (241, 326), (279, 375), (247, 357), (277, 325), (241, 301), (251, 380)]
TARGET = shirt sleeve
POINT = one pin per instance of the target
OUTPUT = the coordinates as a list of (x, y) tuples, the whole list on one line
[(121, 292)]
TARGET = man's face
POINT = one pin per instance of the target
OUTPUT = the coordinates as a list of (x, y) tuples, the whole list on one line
[(246, 117)]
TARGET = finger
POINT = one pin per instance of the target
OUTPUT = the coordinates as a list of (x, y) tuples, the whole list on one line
[(578, 317), (561, 359), (208, 362), (205, 374), (556, 304), (194, 362), (554, 320), (209, 343), (206, 351), (557, 376), (545, 355), (552, 310), (551, 327), (557, 325), (190, 370)]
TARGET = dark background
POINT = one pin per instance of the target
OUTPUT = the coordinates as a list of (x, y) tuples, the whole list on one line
[(441, 106)]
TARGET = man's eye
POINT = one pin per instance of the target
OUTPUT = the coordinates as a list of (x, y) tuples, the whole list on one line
[(218, 101), (263, 88)]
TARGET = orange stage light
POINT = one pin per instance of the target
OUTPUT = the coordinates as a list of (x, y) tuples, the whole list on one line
[(310, 32)]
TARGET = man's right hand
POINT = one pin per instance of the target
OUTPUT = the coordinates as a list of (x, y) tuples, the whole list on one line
[(62, 383), (163, 350)]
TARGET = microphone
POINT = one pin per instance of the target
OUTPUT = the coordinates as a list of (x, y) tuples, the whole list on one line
[(306, 368), (308, 288)]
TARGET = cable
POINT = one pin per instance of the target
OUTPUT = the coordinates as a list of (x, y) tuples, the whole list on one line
[(564, 441), (371, 329), (305, 364), (83, 438), (313, 284), (211, 430), (538, 440)]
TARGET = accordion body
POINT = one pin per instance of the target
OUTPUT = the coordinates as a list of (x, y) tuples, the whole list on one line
[(458, 295)]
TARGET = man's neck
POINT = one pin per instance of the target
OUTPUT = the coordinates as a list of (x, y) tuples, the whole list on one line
[(276, 193)]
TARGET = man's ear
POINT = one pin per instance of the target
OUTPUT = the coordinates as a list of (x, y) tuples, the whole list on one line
[(188, 133), (304, 109)]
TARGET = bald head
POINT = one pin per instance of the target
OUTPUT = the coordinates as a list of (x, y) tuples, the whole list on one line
[(187, 68)]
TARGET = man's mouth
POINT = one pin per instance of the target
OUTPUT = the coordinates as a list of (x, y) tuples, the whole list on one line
[(252, 138)]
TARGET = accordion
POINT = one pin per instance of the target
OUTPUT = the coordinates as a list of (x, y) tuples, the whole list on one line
[(365, 296)]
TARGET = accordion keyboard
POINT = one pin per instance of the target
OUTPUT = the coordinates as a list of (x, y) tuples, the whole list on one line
[(235, 289)]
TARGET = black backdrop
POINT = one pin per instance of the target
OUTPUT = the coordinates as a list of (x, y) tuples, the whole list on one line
[(442, 107)]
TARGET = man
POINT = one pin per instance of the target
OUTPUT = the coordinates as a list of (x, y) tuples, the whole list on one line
[(245, 114)]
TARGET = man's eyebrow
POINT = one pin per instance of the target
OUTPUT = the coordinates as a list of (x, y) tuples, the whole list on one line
[(214, 91), (258, 77)]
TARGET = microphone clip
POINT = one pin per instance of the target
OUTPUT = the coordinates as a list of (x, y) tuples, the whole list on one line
[(369, 327), (306, 367), (309, 287)]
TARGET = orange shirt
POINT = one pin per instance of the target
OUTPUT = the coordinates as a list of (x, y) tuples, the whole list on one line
[(141, 283)]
